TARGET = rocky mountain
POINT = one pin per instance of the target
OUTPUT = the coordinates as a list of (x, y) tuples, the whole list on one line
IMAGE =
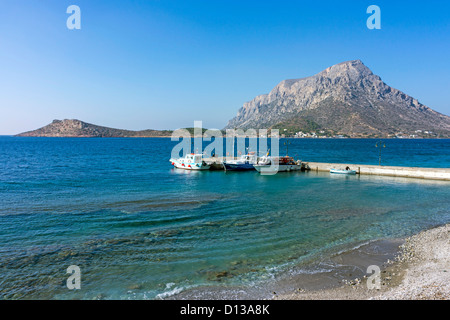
[(347, 99), (77, 128)]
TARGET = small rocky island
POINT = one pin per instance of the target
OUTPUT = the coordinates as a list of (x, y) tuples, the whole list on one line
[(77, 128)]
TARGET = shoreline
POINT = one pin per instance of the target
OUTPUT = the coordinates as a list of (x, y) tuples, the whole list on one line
[(334, 276), (326, 272), (421, 271)]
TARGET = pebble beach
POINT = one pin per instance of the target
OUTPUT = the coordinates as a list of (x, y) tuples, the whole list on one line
[(421, 271)]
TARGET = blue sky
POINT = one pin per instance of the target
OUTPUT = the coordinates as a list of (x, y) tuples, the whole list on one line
[(163, 64)]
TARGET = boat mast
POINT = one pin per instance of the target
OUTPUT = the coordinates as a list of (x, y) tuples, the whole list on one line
[(380, 144), (287, 143)]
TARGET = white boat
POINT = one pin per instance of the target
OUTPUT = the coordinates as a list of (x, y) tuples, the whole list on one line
[(245, 162), (272, 165), (343, 171), (190, 162)]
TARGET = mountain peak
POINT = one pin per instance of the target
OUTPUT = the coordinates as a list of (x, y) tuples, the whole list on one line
[(355, 69), (352, 62), (352, 70)]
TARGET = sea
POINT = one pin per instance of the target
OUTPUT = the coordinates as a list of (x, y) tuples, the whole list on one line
[(134, 227)]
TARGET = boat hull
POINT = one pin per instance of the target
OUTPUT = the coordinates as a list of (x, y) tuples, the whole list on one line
[(337, 171), (267, 169), (189, 166), (238, 166)]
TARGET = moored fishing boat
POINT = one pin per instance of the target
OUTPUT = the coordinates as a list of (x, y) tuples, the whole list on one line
[(272, 165), (343, 171), (245, 162), (190, 162)]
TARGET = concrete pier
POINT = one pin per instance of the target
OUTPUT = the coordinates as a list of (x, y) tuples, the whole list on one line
[(393, 171)]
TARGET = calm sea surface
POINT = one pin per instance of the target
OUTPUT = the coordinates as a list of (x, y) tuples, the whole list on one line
[(139, 229)]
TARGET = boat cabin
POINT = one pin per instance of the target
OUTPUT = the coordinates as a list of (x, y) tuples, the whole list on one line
[(193, 158)]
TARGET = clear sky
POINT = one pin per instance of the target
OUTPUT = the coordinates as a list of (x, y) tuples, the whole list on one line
[(163, 64)]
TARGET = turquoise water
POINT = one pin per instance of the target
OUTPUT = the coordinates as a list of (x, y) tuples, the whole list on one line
[(139, 229)]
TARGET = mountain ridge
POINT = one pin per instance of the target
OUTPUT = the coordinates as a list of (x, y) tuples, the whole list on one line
[(346, 98)]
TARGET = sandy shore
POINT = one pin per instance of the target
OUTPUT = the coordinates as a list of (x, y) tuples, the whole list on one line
[(421, 271)]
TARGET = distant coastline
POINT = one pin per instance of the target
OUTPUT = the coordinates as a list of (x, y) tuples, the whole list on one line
[(73, 128), (328, 138)]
